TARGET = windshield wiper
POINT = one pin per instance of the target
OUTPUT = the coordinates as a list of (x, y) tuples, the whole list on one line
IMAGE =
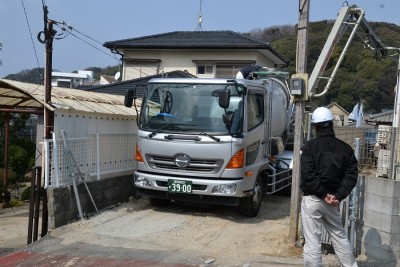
[(211, 136), (171, 125)]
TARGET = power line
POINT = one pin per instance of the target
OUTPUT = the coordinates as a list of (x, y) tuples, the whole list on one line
[(73, 28), (33, 44), (69, 32)]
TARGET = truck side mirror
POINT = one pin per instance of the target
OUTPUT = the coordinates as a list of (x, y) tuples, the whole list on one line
[(224, 98), (130, 94)]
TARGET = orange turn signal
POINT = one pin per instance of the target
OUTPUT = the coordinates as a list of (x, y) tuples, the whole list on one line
[(138, 155), (237, 161)]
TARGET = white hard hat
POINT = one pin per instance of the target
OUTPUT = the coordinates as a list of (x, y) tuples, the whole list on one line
[(321, 114)]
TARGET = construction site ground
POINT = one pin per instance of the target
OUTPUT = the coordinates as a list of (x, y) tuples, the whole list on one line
[(137, 234)]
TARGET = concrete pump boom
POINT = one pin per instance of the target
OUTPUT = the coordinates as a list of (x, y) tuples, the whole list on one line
[(349, 16)]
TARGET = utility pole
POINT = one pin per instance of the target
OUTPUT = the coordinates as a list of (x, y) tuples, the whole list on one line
[(48, 114), (49, 34), (301, 71)]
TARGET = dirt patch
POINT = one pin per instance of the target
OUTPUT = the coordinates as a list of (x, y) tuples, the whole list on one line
[(215, 231)]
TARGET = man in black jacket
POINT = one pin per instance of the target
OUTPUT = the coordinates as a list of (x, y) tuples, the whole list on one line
[(329, 172)]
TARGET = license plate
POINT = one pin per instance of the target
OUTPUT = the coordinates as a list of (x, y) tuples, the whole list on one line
[(179, 186)]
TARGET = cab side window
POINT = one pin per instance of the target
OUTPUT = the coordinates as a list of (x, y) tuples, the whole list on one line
[(255, 110)]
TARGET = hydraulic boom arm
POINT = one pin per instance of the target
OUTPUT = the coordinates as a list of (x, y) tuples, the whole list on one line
[(349, 17)]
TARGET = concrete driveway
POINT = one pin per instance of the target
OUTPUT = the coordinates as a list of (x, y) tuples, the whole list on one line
[(137, 234)]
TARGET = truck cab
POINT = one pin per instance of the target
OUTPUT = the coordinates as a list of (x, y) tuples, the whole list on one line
[(211, 141)]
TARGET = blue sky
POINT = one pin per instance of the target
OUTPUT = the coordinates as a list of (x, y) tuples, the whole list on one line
[(111, 20)]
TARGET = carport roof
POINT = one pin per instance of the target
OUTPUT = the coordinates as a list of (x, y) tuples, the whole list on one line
[(17, 96)]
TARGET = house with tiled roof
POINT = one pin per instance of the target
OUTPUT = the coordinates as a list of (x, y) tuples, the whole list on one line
[(340, 115), (205, 54)]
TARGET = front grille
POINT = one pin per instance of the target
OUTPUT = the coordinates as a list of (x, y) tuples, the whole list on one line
[(197, 165)]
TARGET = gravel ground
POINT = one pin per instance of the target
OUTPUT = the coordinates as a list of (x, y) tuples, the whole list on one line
[(176, 234), (196, 235)]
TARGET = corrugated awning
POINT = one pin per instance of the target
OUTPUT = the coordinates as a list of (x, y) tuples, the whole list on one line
[(19, 96)]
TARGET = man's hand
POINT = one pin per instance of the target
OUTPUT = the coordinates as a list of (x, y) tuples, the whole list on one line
[(331, 200)]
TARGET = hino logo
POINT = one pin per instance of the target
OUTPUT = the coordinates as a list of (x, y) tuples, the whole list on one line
[(182, 161)]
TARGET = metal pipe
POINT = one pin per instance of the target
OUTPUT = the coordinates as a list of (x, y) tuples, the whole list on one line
[(55, 160), (353, 207), (273, 176), (330, 79), (352, 218), (98, 156)]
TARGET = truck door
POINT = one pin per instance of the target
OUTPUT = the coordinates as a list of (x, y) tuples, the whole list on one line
[(255, 126)]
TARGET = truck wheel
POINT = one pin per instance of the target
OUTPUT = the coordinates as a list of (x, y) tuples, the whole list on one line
[(250, 206), (159, 202)]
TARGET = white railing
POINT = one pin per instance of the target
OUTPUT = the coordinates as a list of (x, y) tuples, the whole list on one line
[(97, 157)]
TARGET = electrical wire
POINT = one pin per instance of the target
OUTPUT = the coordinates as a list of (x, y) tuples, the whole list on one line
[(68, 30), (33, 44)]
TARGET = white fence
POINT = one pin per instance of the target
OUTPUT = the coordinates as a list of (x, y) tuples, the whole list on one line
[(97, 157)]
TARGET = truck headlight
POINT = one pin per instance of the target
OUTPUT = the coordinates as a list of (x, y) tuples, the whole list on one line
[(225, 189), (142, 181)]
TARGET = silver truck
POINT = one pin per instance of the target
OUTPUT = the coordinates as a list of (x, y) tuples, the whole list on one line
[(214, 141)]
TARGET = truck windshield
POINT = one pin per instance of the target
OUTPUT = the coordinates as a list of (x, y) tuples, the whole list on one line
[(189, 108)]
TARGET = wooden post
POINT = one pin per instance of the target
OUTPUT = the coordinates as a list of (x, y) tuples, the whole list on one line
[(6, 195), (48, 114), (301, 67)]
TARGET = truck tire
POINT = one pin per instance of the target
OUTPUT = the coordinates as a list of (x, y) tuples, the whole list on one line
[(250, 206), (159, 202)]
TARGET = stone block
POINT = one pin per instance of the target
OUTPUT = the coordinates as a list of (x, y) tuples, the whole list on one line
[(383, 187), (382, 204), (380, 221)]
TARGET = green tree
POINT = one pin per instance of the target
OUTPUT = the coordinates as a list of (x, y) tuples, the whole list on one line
[(29, 76), (20, 161), (362, 75)]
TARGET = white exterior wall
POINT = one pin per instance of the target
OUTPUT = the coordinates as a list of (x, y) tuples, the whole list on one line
[(80, 124), (102, 145), (172, 60)]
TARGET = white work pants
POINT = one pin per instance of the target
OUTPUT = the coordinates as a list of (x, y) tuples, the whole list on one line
[(315, 213)]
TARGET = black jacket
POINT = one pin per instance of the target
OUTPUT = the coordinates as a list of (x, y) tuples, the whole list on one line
[(328, 166)]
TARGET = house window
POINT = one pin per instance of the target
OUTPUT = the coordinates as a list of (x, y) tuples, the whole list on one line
[(205, 69), (225, 69), (228, 71), (138, 68)]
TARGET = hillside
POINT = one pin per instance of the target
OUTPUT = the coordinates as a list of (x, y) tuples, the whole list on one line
[(362, 74), (36, 75)]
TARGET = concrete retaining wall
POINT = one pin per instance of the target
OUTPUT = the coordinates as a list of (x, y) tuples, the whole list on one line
[(378, 228), (62, 207)]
